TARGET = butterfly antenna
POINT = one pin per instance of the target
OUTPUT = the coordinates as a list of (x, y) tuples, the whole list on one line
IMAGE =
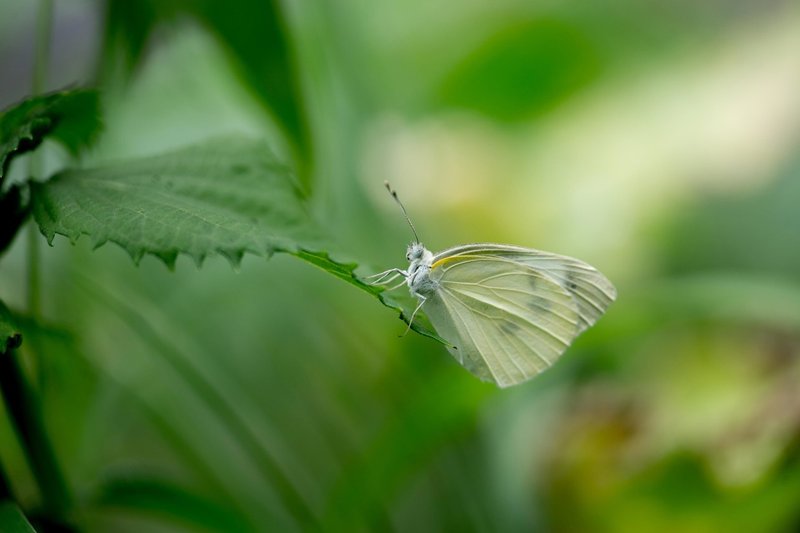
[(405, 213)]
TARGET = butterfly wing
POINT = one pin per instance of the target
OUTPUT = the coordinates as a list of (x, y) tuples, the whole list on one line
[(592, 291), (511, 312)]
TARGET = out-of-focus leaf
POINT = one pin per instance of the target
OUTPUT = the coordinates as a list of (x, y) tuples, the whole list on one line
[(522, 71), (149, 495), (445, 409), (5, 486), (13, 212), (205, 389), (754, 233), (70, 117), (255, 34), (10, 336), (12, 520), (734, 298), (128, 25)]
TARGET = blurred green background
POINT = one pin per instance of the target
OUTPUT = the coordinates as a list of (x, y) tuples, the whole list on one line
[(656, 141)]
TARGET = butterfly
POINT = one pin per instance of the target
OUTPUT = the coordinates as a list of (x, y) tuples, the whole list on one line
[(507, 312)]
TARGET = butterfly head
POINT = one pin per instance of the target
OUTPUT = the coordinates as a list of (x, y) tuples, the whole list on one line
[(415, 251), (418, 255)]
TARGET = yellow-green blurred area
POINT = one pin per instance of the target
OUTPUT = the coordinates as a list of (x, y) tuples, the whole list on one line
[(657, 141)]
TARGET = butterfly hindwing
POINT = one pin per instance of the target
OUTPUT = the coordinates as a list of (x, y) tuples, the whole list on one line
[(508, 321)]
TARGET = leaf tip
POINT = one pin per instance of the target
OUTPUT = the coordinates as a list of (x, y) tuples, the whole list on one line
[(169, 258), (234, 257), (136, 255), (198, 258), (97, 241)]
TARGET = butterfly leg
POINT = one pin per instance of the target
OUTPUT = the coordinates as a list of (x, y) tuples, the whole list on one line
[(392, 274), (397, 286), (387, 281), (411, 320)]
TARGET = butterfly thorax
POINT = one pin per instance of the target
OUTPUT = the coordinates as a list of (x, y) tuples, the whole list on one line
[(419, 268)]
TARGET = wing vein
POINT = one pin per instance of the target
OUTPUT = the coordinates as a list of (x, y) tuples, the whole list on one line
[(471, 338), (562, 343)]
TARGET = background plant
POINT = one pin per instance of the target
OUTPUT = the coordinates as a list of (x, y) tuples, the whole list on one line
[(269, 396)]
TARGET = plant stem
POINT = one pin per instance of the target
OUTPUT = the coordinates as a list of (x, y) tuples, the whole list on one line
[(25, 412)]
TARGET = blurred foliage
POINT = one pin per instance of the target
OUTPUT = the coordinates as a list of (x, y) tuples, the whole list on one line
[(172, 502), (754, 232), (272, 397), (253, 31), (523, 70)]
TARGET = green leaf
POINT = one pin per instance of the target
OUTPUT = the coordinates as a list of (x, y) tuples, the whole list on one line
[(70, 117), (12, 520), (227, 197), (10, 336)]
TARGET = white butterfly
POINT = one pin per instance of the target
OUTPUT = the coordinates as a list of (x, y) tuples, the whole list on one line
[(509, 312)]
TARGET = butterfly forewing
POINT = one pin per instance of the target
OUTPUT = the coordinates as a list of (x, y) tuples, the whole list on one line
[(508, 320), (591, 289)]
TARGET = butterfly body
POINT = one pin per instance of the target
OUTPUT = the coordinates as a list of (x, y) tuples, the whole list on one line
[(418, 276)]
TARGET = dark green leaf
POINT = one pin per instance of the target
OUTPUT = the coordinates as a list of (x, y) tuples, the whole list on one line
[(70, 117), (227, 197), (10, 336), (162, 497), (13, 212), (12, 520)]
